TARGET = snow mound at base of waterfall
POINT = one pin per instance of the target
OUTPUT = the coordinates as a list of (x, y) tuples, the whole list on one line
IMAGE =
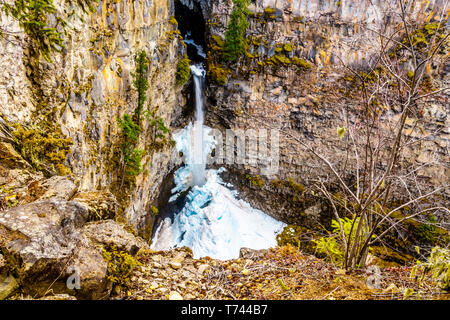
[(215, 223)]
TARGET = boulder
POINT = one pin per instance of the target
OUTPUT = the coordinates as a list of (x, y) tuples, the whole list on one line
[(51, 249), (58, 187), (109, 232), (39, 239), (100, 204)]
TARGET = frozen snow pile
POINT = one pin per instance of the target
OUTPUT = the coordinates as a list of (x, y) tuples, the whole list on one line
[(213, 221)]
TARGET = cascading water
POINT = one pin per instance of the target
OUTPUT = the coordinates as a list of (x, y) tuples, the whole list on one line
[(198, 170), (212, 222)]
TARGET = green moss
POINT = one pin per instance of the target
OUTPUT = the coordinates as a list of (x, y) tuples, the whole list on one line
[(251, 56), (279, 59), (301, 63), (120, 264), (217, 43), (44, 147), (183, 71), (297, 236), (218, 74), (297, 188), (287, 47), (155, 210), (269, 13), (390, 257), (431, 28), (173, 21), (427, 233), (256, 181)]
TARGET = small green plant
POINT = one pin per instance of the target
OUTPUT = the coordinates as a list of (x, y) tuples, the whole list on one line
[(160, 126), (160, 130), (130, 129), (140, 82), (256, 181), (155, 210), (33, 17), (330, 247), (428, 232), (235, 44), (437, 265), (183, 71), (134, 166), (333, 246)]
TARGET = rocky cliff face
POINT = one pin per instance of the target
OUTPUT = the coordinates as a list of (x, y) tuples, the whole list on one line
[(72, 104), (291, 79), (88, 86)]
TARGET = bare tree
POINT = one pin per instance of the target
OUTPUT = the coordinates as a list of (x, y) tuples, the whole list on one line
[(373, 183)]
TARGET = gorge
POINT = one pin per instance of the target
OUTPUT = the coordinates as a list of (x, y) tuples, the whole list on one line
[(109, 141)]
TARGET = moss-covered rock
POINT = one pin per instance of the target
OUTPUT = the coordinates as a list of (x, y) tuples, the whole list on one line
[(218, 74), (44, 147), (183, 71)]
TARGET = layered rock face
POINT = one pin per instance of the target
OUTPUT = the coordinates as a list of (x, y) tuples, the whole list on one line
[(291, 79), (89, 85), (73, 104)]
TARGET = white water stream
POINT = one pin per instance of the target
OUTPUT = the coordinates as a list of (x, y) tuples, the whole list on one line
[(213, 222)]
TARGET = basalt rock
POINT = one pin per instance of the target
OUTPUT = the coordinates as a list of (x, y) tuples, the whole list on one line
[(49, 248)]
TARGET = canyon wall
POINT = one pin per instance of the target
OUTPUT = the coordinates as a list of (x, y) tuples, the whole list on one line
[(61, 159), (291, 78), (89, 86)]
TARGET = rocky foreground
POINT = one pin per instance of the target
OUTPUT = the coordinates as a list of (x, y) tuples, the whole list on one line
[(59, 235), (280, 273)]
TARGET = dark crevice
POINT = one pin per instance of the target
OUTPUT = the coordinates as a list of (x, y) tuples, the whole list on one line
[(191, 24)]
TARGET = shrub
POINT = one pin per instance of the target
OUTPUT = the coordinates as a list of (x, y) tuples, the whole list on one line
[(120, 264), (45, 149), (159, 129), (438, 265), (218, 74), (183, 71)]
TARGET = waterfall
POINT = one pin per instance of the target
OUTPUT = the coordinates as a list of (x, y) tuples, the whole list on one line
[(199, 161), (213, 221)]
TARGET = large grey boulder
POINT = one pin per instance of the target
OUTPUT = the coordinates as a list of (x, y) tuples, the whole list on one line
[(50, 248)]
